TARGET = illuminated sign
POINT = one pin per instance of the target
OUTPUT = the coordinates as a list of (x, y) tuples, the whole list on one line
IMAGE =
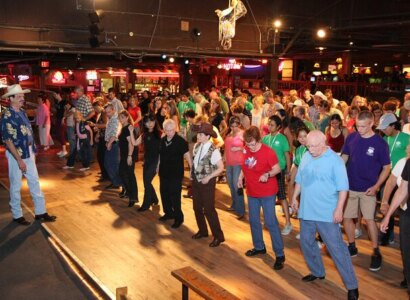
[(23, 77), (91, 75), (45, 64), (232, 65), (58, 78), (118, 74)]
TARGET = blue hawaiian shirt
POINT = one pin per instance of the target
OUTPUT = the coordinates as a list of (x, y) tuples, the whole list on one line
[(16, 127)]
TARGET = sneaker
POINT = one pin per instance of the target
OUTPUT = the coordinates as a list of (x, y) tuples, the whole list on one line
[(298, 236), (353, 251), (84, 169), (287, 229), (68, 167), (279, 263), (375, 262), (62, 153), (357, 233)]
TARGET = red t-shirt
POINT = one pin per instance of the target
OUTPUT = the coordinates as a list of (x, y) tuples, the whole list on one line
[(133, 111), (256, 164)]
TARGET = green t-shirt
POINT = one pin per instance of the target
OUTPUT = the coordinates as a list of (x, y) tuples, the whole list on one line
[(279, 143), (309, 125), (248, 106), (299, 152), (183, 107), (397, 146)]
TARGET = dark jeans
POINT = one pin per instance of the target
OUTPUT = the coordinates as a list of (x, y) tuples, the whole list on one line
[(170, 189), (101, 148), (389, 235), (148, 173), (203, 196), (405, 244), (60, 131), (112, 164), (85, 152), (127, 175), (73, 146)]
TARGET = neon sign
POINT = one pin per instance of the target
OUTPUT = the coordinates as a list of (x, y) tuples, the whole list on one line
[(58, 77), (232, 65)]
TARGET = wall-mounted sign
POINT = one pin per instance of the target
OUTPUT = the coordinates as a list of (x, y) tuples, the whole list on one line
[(23, 77), (91, 75), (58, 78), (232, 65), (118, 73)]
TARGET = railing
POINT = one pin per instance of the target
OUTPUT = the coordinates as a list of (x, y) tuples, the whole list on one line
[(342, 90)]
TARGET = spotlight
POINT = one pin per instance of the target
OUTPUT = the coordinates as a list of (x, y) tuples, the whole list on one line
[(187, 61), (277, 23), (164, 56), (376, 64), (351, 43), (264, 61), (70, 72), (196, 32), (171, 59), (321, 33)]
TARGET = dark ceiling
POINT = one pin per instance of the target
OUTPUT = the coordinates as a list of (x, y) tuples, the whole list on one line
[(134, 29)]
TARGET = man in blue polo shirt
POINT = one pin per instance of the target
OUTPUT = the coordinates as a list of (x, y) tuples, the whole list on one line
[(322, 182)]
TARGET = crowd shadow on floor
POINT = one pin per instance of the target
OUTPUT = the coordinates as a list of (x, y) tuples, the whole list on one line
[(205, 257)]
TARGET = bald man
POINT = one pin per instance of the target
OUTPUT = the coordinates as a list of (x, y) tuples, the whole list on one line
[(323, 184)]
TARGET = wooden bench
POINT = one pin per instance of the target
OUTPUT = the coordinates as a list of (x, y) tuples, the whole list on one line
[(204, 287)]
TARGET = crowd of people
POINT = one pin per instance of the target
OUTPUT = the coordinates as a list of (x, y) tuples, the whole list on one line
[(328, 161)]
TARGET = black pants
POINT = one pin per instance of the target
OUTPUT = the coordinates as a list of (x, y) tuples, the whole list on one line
[(101, 148), (127, 175), (405, 244), (148, 173), (384, 237), (170, 189), (85, 152), (203, 196)]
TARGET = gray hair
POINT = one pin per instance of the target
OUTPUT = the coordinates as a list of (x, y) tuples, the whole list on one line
[(169, 123)]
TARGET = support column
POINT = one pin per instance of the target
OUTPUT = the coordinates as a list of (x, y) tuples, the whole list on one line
[(274, 73)]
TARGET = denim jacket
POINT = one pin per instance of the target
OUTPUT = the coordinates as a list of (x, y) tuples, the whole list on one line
[(16, 127)]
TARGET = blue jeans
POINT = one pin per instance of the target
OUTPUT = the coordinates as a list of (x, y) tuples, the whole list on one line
[(15, 176), (73, 146), (271, 222), (112, 164), (332, 237), (232, 175)]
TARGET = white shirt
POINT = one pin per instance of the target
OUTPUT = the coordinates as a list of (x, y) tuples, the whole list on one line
[(203, 149), (397, 170)]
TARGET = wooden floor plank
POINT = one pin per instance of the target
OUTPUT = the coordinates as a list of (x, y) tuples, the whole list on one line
[(123, 247)]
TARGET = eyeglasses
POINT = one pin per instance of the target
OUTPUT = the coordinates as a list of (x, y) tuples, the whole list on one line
[(251, 145)]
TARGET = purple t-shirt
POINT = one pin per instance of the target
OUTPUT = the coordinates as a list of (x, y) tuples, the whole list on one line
[(367, 157)]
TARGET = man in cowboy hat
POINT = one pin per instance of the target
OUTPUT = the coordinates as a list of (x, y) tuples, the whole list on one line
[(17, 135)]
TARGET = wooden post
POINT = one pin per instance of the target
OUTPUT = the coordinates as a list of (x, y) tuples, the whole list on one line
[(185, 295), (121, 293), (274, 73)]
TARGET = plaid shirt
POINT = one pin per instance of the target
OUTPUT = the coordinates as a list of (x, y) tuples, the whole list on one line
[(84, 106)]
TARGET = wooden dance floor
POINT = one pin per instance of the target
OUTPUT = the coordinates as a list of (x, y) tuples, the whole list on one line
[(123, 247)]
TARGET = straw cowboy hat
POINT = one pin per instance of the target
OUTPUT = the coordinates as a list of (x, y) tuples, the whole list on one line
[(14, 90)]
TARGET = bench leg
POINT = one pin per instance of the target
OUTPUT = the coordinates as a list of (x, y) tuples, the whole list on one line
[(184, 292)]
